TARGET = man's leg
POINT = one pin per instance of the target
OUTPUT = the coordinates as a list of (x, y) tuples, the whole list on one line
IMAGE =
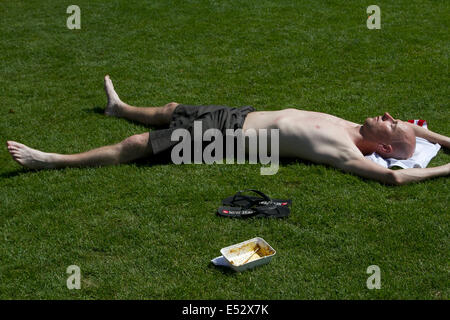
[(132, 148), (154, 116)]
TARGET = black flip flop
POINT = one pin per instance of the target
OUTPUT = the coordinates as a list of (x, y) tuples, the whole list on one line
[(242, 200), (267, 211)]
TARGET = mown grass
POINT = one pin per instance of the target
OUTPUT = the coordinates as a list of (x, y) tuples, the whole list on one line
[(148, 230)]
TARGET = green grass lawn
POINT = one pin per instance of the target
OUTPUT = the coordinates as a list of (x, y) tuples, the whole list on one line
[(149, 230)]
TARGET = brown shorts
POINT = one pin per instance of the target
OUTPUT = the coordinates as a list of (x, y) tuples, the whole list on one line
[(211, 116)]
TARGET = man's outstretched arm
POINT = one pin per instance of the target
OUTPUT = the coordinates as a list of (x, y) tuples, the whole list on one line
[(370, 170)]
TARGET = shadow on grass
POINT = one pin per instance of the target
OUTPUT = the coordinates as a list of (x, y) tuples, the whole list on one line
[(165, 158), (222, 269), (160, 159), (26, 171), (12, 174), (96, 109)]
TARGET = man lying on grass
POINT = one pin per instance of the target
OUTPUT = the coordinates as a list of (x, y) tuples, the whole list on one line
[(313, 136)]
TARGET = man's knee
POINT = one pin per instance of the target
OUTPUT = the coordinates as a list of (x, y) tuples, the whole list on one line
[(168, 108), (136, 141), (171, 105), (135, 147), (166, 112)]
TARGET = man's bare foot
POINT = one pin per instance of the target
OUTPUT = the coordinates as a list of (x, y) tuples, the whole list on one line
[(28, 157), (114, 102)]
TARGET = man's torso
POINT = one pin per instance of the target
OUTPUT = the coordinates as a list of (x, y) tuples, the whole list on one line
[(313, 136)]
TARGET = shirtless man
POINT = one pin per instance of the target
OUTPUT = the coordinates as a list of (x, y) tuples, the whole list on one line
[(313, 136)]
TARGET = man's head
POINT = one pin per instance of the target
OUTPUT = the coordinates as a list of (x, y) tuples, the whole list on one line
[(393, 138)]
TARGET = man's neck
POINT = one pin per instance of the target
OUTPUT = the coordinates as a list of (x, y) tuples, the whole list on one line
[(366, 147)]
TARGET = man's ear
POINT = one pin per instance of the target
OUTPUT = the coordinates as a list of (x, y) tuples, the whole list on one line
[(384, 149)]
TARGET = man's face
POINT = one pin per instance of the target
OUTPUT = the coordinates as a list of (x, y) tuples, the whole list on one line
[(382, 129), (394, 137)]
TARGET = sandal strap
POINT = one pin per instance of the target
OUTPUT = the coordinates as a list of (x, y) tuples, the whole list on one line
[(251, 202)]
